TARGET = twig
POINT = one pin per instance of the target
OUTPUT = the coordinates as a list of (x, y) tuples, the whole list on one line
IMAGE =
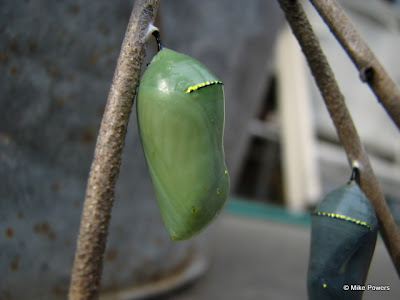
[(371, 71), (345, 128), (87, 268)]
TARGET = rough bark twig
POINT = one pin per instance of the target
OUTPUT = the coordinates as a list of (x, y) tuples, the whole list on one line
[(87, 267), (342, 120), (371, 71)]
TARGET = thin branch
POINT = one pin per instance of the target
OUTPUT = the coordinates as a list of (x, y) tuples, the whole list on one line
[(371, 71), (87, 268), (345, 128)]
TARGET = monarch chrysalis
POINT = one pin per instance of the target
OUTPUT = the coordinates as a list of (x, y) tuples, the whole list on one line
[(180, 112), (343, 237)]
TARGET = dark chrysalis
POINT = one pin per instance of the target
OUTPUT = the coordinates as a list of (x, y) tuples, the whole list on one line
[(343, 238), (181, 112)]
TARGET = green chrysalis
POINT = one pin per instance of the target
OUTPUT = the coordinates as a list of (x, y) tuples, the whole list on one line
[(180, 112), (343, 237)]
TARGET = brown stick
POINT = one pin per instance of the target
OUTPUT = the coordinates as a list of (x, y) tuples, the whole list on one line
[(88, 263), (343, 122), (371, 71)]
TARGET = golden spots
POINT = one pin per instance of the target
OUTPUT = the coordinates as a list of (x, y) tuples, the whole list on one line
[(203, 84), (218, 191), (324, 285), (226, 172), (193, 210)]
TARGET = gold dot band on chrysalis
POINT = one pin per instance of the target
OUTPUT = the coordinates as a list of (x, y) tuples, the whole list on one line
[(343, 217), (201, 85)]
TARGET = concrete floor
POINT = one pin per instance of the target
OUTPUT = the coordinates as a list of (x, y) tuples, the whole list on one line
[(253, 258)]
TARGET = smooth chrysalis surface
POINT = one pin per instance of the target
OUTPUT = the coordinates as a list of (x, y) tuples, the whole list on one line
[(343, 238), (180, 112)]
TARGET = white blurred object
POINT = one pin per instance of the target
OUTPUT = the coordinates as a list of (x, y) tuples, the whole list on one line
[(385, 12), (377, 131), (300, 175), (378, 23)]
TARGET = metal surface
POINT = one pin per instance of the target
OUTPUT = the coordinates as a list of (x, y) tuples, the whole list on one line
[(57, 62)]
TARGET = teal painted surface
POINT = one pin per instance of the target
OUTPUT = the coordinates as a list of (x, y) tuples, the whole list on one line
[(253, 209)]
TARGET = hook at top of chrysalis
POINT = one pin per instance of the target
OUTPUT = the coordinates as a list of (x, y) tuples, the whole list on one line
[(157, 35), (153, 30), (355, 175)]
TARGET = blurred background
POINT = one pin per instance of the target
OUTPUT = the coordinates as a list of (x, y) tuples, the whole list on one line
[(57, 61)]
